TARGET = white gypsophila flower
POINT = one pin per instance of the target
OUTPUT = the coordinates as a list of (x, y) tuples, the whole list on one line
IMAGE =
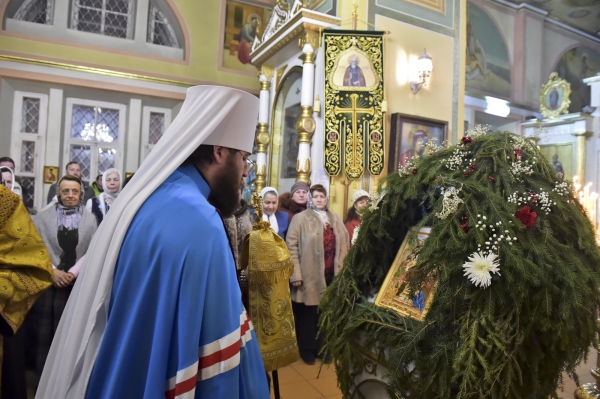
[(478, 130), (450, 202), (355, 235), (479, 267)]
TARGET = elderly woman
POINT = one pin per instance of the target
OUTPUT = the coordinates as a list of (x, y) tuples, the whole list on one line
[(279, 219), (99, 206), (318, 244), (360, 200), (67, 229)]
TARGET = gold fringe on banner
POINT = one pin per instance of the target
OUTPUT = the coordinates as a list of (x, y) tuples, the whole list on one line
[(269, 268)]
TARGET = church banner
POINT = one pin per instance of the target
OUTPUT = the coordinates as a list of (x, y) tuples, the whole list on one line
[(354, 131)]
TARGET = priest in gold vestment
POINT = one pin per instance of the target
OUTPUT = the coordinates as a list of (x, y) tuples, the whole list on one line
[(25, 272)]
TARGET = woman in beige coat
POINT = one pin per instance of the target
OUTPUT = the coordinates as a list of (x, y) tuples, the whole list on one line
[(318, 243)]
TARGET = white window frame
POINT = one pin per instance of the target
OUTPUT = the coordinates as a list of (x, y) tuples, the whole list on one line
[(21, 12), (146, 111), (119, 145), (153, 11), (18, 137), (130, 18)]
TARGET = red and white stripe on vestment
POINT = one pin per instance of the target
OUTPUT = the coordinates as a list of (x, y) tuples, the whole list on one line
[(215, 358)]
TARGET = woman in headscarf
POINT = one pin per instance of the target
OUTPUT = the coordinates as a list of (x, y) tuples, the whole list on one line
[(318, 244), (279, 220), (360, 199), (111, 182), (67, 229)]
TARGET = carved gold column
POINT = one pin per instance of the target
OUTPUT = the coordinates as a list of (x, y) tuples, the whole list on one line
[(306, 124), (580, 160), (591, 390), (262, 135)]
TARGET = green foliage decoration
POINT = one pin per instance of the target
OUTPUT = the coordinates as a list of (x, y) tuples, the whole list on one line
[(511, 339)]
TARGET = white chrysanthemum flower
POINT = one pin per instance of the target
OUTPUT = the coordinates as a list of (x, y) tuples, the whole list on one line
[(355, 235), (479, 268)]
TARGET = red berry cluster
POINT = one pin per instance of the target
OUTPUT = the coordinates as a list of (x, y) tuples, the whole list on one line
[(464, 225), (472, 167), (518, 154), (466, 140)]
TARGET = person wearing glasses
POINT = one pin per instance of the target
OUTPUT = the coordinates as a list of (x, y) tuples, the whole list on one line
[(240, 223), (157, 310)]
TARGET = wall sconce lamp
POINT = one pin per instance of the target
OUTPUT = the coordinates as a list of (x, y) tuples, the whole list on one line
[(424, 67)]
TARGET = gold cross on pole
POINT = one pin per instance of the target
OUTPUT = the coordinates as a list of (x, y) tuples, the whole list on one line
[(354, 111)]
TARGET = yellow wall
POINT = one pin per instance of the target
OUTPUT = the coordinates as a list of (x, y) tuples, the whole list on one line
[(203, 19), (403, 46)]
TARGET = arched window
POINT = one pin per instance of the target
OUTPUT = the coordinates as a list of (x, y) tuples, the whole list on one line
[(38, 11), (106, 17), (160, 30)]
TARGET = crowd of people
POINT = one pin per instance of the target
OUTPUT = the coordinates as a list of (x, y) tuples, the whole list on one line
[(174, 227)]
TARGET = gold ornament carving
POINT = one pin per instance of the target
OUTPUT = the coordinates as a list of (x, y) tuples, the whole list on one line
[(267, 71), (554, 97), (311, 37), (305, 125), (278, 75), (262, 137), (308, 58), (270, 44), (303, 169), (266, 85), (354, 123)]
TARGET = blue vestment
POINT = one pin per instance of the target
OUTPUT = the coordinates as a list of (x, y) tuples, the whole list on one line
[(176, 325)]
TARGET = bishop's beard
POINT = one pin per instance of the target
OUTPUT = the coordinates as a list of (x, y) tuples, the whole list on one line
[(225, 194)]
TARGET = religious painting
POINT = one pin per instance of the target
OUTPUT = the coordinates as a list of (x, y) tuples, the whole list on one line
[(410, 136), (575, 65), (394, 291), (284, 146), (487, 62), (241, 26), (353, 71), (554, 97), (50, 174), (354, 123), (560, 157)]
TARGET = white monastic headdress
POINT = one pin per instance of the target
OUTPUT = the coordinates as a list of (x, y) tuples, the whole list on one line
[(209, 115)]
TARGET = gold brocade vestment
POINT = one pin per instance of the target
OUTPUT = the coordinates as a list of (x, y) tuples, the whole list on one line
[(25, 266), (270, 304)]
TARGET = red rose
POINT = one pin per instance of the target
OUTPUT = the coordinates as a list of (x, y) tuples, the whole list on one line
[(526, 216)]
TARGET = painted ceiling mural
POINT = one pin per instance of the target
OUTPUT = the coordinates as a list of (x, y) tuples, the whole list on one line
[(488, 65), (574, 66)]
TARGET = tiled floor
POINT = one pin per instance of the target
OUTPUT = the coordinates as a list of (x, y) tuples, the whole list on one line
[(301, 381)]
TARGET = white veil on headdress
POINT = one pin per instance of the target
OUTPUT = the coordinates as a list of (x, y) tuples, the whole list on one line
[(210, 115)]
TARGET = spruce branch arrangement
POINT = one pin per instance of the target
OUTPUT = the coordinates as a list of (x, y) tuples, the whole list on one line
[(516, 264)]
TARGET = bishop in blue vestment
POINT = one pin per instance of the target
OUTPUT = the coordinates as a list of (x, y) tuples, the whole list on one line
[(177, 303)]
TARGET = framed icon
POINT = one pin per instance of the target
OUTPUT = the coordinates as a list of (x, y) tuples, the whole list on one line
[(50, 174), (554, 97), (409, 137)]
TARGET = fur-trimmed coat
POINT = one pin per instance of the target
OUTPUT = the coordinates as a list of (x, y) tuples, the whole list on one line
[(305, 242)]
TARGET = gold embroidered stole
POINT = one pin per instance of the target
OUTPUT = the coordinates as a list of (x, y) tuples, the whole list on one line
[(25, 266), (269, 268)]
